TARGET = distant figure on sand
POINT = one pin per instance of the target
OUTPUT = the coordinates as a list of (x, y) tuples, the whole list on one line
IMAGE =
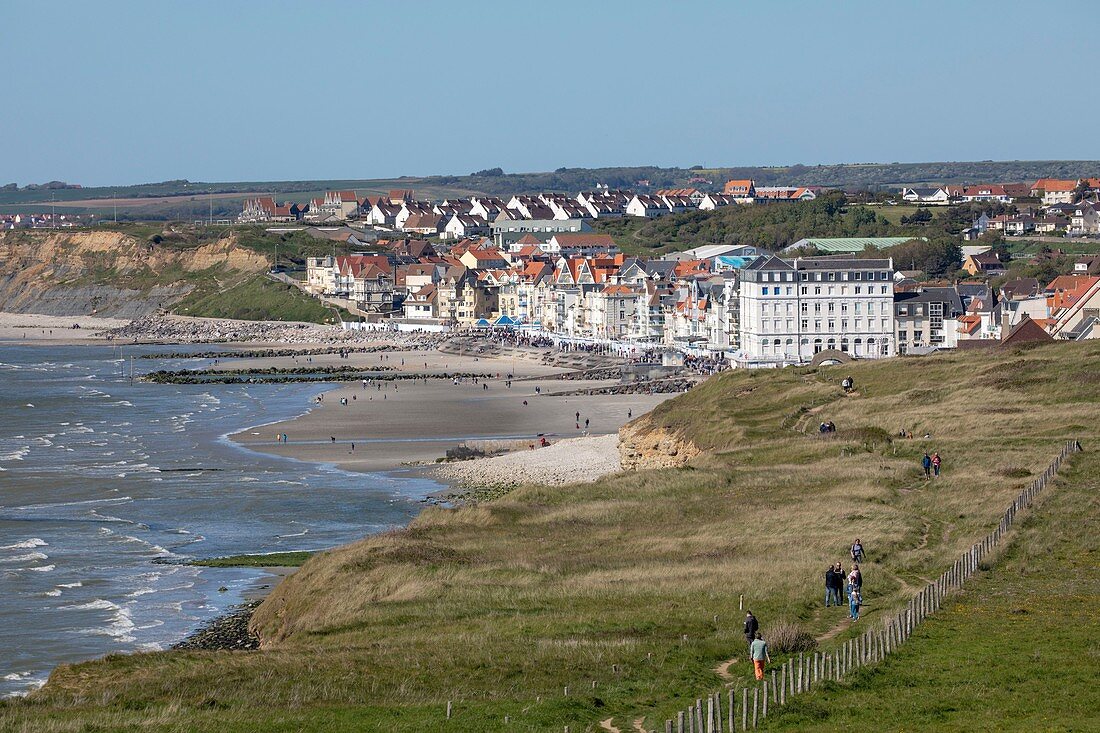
[(751, 627), (758, 650), (926, 464)]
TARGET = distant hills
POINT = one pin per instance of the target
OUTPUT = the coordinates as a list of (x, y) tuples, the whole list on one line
[(187, 199)]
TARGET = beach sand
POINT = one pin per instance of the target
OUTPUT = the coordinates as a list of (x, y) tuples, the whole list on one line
[(27, 328), (392, 424)]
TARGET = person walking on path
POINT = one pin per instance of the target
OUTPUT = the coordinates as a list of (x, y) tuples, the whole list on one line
[(758, 650), (829, 583), (936, 460), (926, 464), (857, 551), (854, 601), (752, 626)]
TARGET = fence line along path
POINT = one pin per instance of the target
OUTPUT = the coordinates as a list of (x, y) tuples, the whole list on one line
[(742, 710)]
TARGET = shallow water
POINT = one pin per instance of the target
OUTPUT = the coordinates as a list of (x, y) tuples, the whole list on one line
[(99, 477)]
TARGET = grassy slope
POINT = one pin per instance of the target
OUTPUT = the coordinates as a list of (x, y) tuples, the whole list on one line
[(1017, 651), (257, 298), (498, 607)]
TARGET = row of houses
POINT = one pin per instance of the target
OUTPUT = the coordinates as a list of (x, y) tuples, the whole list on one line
[(1080, 219), (42, 221), (478, 214), (1048, 191)]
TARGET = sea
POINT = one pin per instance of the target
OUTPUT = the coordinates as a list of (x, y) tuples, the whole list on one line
[(108, 486)]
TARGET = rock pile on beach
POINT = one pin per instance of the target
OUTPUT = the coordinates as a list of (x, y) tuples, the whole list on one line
[(229, 631), (566, 461), (182, 330), (663, 386)]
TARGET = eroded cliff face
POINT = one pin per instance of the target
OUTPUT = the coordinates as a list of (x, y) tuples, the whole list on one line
[(106, 273), (643, 445)]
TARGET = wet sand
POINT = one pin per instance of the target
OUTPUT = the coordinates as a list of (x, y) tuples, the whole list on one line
[(391, 424)]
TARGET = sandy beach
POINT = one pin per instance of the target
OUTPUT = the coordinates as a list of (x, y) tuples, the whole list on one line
[(34, 328), (389, 424)]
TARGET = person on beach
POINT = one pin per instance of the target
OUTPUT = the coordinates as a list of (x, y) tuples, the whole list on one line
[(926, 464), (752, 626), (586, 423), (857, 551), (936, 460), (758, 650)]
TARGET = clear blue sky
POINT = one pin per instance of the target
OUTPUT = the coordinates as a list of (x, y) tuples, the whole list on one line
[(105, 93)]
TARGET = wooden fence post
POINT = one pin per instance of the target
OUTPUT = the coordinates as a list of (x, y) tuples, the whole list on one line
[(680, 722), (764, 708), (448, 710), (744, 708), (710, 715), (732, 729), (755, 704)]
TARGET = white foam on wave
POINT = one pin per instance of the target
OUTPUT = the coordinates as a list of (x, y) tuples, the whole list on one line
[(119, 625), (40, 568), (77, 584), (297, 534), (29, 557), (15, 455), (123, 403), (247, 479), (27, 544), (53, 592)]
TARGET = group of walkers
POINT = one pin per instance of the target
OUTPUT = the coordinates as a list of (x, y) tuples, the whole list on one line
[(838, 584)]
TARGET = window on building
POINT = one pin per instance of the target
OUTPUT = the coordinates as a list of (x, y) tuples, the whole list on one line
[(805, 307), (805, 324), (843, 307), (832, 276), (832, 325), (817, 307), (817, 290), (804, 290), (859, 290)]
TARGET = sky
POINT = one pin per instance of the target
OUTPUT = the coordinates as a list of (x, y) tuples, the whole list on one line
[(120, 92)]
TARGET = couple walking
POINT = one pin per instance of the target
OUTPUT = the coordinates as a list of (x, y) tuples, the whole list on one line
[(758, 648), (931, 464)]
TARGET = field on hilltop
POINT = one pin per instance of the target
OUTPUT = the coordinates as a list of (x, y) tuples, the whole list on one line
[(626, 590), (191, 200)]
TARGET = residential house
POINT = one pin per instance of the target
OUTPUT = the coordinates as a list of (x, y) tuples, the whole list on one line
[(985, 192), (926, 195), (372, 289), (986, 263), (255, 210), (484, 259), (464, 225), (570, 244), (766, 194), (1055, 190), (1085, 220), (712, 201), (1050, 224), (740, 191), (647, 206), (927, 318), (422, 303)]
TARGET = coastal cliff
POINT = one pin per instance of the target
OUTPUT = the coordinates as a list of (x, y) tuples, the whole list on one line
[(109, 273), (642, 445)]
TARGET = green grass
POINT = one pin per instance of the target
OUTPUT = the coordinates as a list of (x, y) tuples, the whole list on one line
[(257, 298), (269, 560), (1018, 650), (499, 607)]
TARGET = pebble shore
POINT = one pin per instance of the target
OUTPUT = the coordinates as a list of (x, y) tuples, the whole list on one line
[(567, 461), (228, 631)]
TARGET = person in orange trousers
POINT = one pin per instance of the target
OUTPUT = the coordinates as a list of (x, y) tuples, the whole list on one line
[(758, 650)]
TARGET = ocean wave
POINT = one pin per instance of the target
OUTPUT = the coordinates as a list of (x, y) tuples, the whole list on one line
[(123, 403), (15, 455), (53, 593), (40, 568), (297, 534), (26, 544), (76, 584), (29, 557), (119, 625)]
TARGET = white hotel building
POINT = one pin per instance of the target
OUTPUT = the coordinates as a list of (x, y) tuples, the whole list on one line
[(792, 309)]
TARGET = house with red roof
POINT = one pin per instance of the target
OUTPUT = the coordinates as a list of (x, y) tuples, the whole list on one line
[(742, 190), (1055, 190)]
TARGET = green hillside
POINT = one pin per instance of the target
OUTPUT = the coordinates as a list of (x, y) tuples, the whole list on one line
[(627, 590)]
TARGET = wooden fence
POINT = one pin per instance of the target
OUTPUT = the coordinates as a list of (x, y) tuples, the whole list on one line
[(748, 707)]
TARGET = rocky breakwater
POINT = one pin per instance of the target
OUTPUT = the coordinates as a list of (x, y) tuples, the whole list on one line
[(644, 445), (182, 330), (228, 631)]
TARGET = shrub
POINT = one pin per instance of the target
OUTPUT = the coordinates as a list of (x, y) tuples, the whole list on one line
[(786, 638)]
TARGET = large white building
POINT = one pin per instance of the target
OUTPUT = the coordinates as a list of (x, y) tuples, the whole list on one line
[(793, 309)]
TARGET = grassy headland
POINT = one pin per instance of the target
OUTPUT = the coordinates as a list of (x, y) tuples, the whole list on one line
[(632, 582), (257, 298)]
